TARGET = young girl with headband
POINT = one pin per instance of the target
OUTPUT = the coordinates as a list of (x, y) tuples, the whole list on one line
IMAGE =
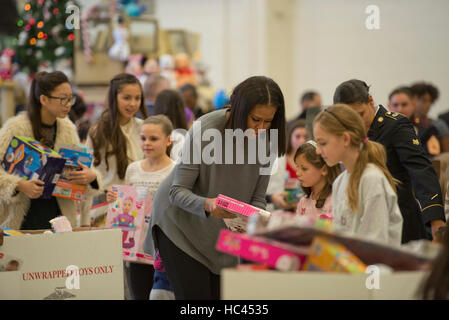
[(316, 179), (364, 200)]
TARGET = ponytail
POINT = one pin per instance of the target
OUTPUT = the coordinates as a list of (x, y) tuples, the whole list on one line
[(339, 119), (42, 84), (371, 152)]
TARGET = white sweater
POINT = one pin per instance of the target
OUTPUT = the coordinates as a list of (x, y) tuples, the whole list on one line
[(378, 218)]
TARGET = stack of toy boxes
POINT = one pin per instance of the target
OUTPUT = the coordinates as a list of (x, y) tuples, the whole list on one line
[(329, 256), (73, 154), (30, 160)]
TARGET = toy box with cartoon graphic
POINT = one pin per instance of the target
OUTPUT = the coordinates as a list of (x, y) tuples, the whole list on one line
[(243, 211), (271, 253), (328, 256), (131, 213), (73, 154), (30, 160)]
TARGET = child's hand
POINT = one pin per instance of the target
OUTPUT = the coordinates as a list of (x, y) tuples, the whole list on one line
[(279, 200), (111, 196), (33, 189), (83, 176), (217, 212)]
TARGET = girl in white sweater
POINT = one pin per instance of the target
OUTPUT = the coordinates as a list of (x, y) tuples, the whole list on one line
[(156, 143), (364, 200)]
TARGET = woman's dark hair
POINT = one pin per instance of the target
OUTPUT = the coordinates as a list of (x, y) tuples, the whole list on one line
[(405, 90), (436, 286), (106, 133), (258, 90), (309, 152), (43, 84), (352, 92), (421, 88), (78, 109), (169, 103), (300, 123)]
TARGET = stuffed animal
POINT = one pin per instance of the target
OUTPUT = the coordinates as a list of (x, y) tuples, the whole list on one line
[(183, 71), (120, 50), (6, 64)]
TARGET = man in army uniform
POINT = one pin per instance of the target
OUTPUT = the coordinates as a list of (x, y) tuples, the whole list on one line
[(419, 192)]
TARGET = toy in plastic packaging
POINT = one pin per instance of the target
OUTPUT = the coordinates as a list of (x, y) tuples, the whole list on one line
[(131, 213)]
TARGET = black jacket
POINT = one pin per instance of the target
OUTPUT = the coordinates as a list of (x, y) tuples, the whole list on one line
[(419, 193)]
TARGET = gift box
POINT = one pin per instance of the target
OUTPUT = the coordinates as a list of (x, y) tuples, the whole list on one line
[(241, 209), (271, 253), (131, 213), (328, 256), (73, 154), (30, 160)]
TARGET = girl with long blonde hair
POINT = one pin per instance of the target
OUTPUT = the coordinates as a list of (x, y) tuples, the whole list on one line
[(364, 200)]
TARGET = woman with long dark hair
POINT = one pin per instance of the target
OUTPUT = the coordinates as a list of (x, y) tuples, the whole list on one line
[(46, 121), (185, 222)]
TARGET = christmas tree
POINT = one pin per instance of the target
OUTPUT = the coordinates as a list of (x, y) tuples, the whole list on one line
[(44, 38)]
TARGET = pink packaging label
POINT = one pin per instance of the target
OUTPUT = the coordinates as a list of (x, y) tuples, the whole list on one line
[(271, 253), (236, 206)]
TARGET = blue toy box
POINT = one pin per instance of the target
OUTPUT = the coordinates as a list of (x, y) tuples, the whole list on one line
[(30, 160), (73, 154)]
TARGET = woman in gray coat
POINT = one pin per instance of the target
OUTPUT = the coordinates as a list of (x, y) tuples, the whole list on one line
[(217, 159)]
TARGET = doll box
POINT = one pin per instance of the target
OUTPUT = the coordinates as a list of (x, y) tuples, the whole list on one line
[(243, 211), (131, 213), (328, 256), (73, 154), (95, 257), (271, 253), (29, 160)]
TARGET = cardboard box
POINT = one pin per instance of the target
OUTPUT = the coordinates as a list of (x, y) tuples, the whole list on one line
[(29, 159), (271, 253), (328, 256), (73, 154), (274, 285), (131, 213), (241, 209), (44, 259)]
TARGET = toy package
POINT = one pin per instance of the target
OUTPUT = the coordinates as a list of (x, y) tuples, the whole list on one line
[(328, 256), (271, 253), (243, 211), (30, 160), (10, 232), (131, 213), (73, 154)]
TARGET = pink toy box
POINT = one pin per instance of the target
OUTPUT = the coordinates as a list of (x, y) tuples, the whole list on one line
[(243, 211), (271, 253), (131, 213)]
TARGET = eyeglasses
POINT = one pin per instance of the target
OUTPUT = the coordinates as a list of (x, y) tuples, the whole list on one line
[(64, 101)]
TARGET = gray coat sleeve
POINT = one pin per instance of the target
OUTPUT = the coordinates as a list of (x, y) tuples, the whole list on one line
[(180, 193)]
